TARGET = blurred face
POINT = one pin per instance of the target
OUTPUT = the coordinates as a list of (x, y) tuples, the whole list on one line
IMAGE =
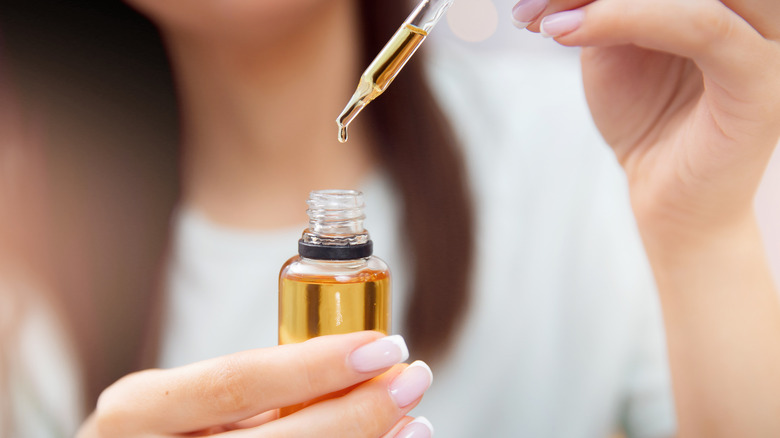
[(252, 20)]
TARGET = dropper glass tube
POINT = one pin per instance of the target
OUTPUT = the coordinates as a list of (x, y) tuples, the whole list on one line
[(392, 58)]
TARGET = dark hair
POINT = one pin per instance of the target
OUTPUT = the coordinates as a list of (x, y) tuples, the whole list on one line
[(106, 263)]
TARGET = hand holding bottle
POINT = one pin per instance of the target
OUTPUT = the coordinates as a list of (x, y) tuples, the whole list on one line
[(241, 393)]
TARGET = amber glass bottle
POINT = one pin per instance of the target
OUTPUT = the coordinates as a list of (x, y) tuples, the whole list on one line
[(334, 285)]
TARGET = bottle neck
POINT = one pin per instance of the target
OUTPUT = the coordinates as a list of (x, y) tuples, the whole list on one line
[(335, 229)]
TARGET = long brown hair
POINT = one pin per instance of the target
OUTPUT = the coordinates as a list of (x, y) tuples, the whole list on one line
[(108, 261)]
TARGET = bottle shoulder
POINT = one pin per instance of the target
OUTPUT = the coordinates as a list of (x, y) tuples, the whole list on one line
[(371, 268)]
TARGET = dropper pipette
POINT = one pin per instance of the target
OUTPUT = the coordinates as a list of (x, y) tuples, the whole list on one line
[(392, 58)]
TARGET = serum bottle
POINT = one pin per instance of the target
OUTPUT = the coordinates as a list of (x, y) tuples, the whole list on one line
[(334, 285)]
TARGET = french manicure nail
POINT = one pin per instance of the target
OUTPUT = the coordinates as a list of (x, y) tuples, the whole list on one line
[(561, 23), (380, 354), (411, 384), (526, 11), (420, 427)]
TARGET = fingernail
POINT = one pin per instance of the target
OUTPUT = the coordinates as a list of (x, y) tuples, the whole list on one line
[(382, 353), (419, 428), (526, 11), (561, 23), (411, 384)]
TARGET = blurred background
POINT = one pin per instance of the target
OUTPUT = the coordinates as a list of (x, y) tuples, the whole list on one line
[(89, 128), (93, 84)]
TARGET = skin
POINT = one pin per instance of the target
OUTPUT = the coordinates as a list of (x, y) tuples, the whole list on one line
[(237, 396), (685, 91)]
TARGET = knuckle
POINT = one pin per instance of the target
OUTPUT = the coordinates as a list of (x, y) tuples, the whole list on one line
[(108, 417), (712, 25), (224, 387), (113, 415), (371, 415), (313, 378)]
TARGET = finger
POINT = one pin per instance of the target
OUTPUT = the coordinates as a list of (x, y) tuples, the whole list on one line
[(763, 15), (420, 427), (232, 388), (370, 410), (257, 420), (398, 426), (249, 423), (527, 13), (730, 53)]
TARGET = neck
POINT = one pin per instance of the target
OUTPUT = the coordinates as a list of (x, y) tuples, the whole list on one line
[(258, 120)]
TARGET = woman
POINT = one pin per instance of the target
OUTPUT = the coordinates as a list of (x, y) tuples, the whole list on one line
[(693, 137)]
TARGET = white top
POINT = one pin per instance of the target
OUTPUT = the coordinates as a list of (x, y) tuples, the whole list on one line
[(564, 337)]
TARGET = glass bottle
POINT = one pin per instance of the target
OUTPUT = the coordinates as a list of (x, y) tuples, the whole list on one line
[(334, 285)]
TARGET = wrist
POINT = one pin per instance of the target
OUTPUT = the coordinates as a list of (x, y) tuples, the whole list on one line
[(690, 220), (675, 245)]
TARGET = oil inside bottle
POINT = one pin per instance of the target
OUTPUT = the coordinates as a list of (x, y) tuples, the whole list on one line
[(311, 306), (333, 305)]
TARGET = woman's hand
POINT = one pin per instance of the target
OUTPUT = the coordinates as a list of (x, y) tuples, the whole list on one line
[(687, 92), (240, 393)]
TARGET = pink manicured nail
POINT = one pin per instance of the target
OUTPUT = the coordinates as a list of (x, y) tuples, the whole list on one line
[(526, 11), (382, 353), (561, 23), (411, 384), (419, 428)]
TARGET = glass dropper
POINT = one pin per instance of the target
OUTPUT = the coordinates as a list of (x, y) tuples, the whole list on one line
[(392, 58)]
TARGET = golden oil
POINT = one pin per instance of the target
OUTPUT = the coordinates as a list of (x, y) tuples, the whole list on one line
[(316, 305), (381, 72), (392, 58)]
